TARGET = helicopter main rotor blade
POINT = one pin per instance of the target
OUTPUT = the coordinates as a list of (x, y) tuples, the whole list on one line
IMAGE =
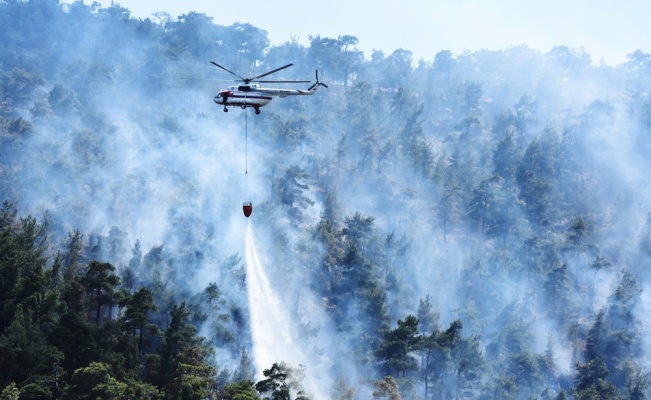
[(206, 79), (230, 72), (284, 81), (271, 72)]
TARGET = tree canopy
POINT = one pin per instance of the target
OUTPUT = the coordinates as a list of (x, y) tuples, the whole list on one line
[(471, 225)]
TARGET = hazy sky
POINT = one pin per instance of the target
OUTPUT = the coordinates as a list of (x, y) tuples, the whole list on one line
[(607, 29)]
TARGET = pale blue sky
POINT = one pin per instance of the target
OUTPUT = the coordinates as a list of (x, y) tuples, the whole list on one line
[(607, 29)]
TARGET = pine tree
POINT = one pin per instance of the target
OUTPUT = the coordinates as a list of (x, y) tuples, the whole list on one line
[(10, 392), (180, 367), (387, 388), (343, 391), (275, 383), (245, 371), (101, 284), (25, 350), (94, 382), (136, 319), (505, 158), (394, 351), (240, 390), (428, 321)]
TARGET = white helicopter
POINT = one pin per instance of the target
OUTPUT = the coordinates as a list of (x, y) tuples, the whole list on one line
[(251, 94)]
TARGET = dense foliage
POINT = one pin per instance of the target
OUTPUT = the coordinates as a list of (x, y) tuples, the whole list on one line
[(471, 226)]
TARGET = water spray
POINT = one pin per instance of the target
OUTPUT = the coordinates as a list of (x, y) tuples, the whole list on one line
[(272, 340)]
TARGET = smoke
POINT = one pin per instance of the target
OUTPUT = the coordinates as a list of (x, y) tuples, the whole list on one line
[(131, 145)]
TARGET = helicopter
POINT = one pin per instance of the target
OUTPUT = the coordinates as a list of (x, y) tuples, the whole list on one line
[(251, 94)]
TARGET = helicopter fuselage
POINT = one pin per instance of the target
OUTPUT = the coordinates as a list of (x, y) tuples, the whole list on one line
[(242, 96), (253, 95)]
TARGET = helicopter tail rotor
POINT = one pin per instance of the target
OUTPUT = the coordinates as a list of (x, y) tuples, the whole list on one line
[(318, 83)]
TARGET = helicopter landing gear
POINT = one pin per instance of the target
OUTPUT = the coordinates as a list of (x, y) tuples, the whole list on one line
[(225, 109), (257, 110), (243, 106)]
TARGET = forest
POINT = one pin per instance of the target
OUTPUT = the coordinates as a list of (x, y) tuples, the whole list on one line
[(470, 226)]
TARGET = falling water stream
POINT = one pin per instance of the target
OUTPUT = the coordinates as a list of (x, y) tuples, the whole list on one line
[(271, 327), (272, 340)]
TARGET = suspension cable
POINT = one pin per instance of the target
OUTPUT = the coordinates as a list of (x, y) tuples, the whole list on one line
[(246, 141)]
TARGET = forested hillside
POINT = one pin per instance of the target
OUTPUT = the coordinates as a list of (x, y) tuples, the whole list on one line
[(470, 226)]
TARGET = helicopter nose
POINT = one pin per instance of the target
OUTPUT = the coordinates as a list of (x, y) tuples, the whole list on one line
[(222, 96)]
